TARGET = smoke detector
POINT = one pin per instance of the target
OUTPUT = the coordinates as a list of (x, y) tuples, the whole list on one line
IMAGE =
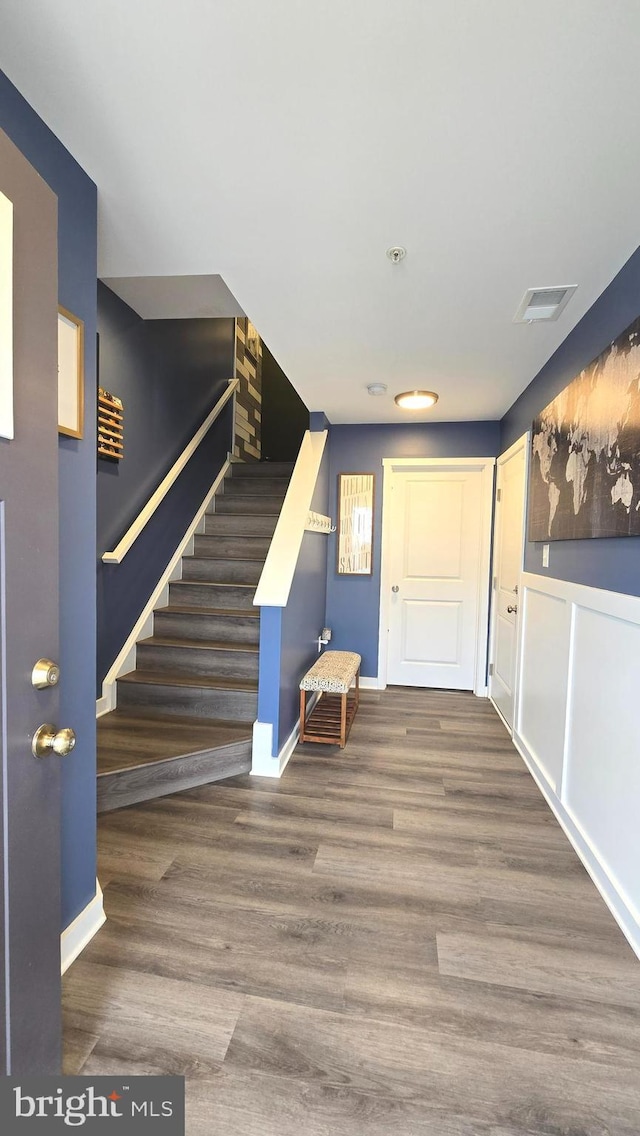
[(544, 303), (377, 388)]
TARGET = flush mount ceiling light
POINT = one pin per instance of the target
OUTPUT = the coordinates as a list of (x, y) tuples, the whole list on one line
[(396, 253), (377, 388), (416, 400)]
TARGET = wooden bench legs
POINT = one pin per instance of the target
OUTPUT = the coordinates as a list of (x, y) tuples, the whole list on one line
[(331, 718)]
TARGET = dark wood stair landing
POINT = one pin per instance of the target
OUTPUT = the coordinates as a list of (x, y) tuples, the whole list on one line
[(185, 714), (142, 756)]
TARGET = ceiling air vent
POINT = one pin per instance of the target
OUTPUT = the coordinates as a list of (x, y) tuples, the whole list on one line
[(544, 303)]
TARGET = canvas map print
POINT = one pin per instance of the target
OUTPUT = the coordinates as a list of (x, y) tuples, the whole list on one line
[(585, 460)]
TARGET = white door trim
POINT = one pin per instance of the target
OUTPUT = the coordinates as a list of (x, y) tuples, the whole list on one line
[(486, 467), (525, 440)]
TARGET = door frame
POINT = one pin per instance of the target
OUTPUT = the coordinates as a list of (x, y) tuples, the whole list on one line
[(484, 466), (523, 441)]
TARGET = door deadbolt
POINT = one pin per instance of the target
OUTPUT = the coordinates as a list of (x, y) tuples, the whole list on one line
[(45, 673), (395, 588), (48, 740)]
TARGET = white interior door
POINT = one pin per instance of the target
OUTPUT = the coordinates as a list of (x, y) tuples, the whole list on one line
[(508, 553), (435, 553)]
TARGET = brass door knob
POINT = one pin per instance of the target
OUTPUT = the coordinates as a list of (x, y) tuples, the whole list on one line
[(48, 740), (45, 673)]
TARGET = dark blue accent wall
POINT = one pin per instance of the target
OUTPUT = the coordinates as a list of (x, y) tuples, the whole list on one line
[(169, 374), (353, 601), (77, 271), (304, 616), (614, 563)]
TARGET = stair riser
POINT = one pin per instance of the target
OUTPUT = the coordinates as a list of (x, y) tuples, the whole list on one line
[(216, 627), (261, 469), (243, 486), (221, 571), (254, 504), (194, 701), (191, 660), (191, 594), (254, 547), (146, 782), (219, 524)]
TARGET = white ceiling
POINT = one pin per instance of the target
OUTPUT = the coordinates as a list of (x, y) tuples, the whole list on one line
[(286, 144)]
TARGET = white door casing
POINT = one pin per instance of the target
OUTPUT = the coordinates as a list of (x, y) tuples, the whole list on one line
[(435, 551), (508, 554)]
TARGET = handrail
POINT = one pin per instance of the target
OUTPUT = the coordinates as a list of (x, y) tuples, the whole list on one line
[(282, 557), (117, 555)]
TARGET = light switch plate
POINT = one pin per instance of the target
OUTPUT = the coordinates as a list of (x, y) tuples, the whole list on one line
[(545, 556)]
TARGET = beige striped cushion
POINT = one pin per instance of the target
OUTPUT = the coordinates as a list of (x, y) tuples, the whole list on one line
[(334, 672)]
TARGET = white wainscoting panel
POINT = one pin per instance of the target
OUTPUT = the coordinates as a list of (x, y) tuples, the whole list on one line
[(601, 787), (543, 692), (578, 727)]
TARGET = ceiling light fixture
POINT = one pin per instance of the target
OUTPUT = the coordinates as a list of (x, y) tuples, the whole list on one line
[(377, 388), (396, 253), (416, 400)]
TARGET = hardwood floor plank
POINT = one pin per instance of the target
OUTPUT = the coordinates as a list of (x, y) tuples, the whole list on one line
[(464, 1078), (542, 968), (396, 937), (140, 1009)]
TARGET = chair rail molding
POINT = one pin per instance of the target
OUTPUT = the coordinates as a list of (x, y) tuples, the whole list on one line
[(117, 555), (577, 727)]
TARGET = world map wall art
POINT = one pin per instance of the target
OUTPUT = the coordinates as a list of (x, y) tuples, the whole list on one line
[(585, 463)]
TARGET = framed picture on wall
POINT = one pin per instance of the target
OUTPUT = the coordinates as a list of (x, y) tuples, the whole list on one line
[(70, 374), (355, 524)]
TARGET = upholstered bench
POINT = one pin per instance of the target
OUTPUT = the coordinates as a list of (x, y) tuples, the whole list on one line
[(332, 716)]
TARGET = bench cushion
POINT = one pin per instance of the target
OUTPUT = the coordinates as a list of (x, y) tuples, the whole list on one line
[(333, 672)]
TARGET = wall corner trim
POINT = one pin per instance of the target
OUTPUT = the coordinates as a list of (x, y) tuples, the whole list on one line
[(262, 763), (79, 934)]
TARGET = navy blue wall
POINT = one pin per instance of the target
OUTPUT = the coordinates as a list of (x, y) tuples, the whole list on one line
[(613, 563), (77, 228), (304, 616), (353, 601), (169, 374)]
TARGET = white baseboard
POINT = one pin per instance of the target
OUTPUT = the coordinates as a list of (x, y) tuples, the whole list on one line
[(143, 627), (263, 764), (372, 683), (79, 934), (103, 706)]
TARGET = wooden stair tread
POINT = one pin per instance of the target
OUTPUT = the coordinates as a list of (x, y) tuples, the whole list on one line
[(200, 644), (216, 584), (126, 740), (237, 612), (228, 559), (176, 678)]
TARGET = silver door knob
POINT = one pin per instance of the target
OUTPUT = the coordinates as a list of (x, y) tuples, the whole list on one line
[(395, 588), (48, 740), (512, 610), (45, 673)]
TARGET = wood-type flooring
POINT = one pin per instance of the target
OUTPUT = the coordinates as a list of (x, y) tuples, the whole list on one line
[(393, 940)]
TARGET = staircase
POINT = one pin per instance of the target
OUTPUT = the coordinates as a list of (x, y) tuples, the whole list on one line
[(185, 714)]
